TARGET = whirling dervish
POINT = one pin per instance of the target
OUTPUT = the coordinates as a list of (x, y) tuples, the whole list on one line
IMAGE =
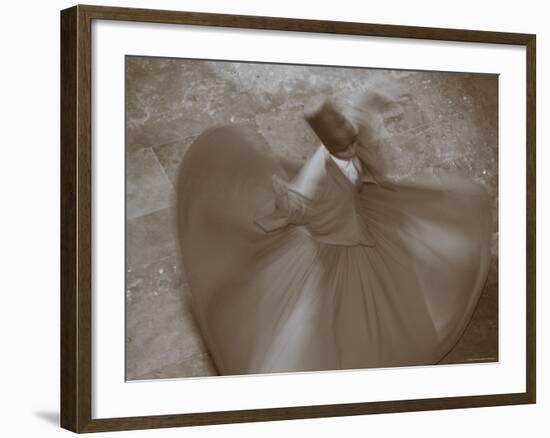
[(335, 267)]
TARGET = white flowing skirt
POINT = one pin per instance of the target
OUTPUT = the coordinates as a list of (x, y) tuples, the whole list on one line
[(284, 302)]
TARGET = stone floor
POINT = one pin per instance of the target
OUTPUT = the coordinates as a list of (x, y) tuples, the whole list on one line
[(449, 122)]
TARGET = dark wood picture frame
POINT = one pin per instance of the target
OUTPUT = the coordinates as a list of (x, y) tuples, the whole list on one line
[(76, 218)]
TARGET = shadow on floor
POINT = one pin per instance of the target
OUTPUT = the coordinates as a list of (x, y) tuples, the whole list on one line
[(51, 417)]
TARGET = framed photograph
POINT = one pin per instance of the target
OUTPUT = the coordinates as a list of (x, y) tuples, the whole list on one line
[(270, 218)]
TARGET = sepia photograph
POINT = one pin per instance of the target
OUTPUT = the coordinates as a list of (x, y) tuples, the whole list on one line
[(286, 218)]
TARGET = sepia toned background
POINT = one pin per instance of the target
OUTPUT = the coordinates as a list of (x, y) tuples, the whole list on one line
[(449, 123)]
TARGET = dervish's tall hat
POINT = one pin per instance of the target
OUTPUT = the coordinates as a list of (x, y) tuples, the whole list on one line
[(335, 131)]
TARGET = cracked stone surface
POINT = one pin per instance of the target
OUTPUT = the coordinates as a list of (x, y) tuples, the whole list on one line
[(449, 122)]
